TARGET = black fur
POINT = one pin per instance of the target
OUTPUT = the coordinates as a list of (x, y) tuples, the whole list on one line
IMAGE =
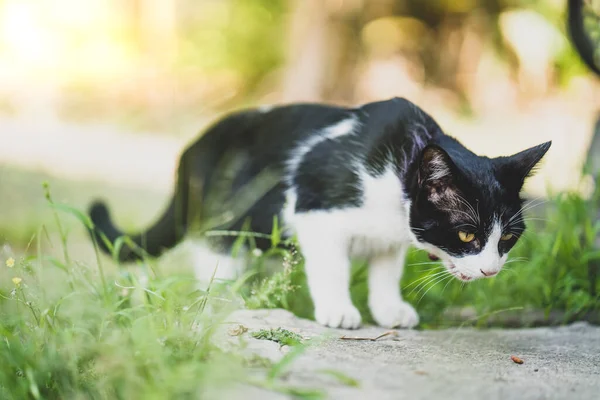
[(248, 154), (490, 186)]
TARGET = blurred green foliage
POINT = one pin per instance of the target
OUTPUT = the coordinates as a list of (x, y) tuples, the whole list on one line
[(232, 53), (237, 35)]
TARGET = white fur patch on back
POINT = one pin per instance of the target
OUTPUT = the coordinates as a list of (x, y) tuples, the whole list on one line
[(342, 128), (265, 108), (345, 127)]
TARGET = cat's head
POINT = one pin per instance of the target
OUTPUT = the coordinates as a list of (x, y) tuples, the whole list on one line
[(467, 210)]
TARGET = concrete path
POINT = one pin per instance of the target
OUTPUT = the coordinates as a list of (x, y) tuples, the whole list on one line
[(559, 363)]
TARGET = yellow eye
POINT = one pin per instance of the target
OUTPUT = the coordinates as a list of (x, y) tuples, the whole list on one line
[(466, 237), (508, 236)]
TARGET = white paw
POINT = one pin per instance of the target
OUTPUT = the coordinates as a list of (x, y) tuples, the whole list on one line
[(396, 314), (338, 316)]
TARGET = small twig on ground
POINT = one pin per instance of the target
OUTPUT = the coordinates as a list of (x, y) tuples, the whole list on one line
[(388, 333)]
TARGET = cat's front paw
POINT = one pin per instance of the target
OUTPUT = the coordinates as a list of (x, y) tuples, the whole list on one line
[(396, 314), (338, 316)]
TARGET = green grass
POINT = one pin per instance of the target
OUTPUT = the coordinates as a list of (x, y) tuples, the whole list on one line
[(81, 339), (87, 330), (72, 329), (279, 335)]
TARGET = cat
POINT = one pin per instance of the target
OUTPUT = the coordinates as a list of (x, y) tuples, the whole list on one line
[(365, 182)]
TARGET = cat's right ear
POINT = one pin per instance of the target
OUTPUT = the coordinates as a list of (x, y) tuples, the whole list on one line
[(435, 166)]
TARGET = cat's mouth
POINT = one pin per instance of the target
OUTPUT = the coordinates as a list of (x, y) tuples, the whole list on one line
[(457, 274), (460, 275), (452, 269)]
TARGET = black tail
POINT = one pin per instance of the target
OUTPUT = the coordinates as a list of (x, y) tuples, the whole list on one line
[(164, 234), (581, 40)]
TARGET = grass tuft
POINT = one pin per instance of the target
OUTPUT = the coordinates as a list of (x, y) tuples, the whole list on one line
[(279, 335)]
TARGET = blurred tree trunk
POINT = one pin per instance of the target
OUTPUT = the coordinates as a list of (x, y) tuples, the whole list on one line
[(307, 52), (593, 165), (325, 48), (346, 23), (455, 27), (323, 51)]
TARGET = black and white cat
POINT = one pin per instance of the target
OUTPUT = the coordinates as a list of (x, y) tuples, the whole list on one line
[(349, 182)]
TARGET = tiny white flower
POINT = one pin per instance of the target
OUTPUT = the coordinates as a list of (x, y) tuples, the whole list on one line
[(257, 252)]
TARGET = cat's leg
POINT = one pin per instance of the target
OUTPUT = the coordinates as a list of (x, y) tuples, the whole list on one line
[(385, 301), (327, 267), (209, 263)]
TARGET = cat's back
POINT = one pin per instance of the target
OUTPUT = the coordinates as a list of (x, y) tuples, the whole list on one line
[(279, 129), (275, 131)]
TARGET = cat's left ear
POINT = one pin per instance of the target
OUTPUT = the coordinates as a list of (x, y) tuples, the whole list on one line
[(513, 170), (435, 167)]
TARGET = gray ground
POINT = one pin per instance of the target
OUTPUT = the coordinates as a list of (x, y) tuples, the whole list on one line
[(559, 363)]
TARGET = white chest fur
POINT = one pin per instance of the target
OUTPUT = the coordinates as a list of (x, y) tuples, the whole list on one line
[(379, 225)]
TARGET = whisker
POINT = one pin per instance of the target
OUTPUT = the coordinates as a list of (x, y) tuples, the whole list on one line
[(537, 219), (424, 283), (428, 282), (518, 233), (508, 270), (424, 277), (527, 207), (472, 211), (528, 219), (518, 214), (470, 225), (445, 286), (423, 263), (471, 208), (424, 268), (430, 269), (535, 202), (515, 261), (434, 284), (467, 214)]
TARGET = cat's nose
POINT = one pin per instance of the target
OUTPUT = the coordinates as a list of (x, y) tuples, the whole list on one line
[(488, 273)]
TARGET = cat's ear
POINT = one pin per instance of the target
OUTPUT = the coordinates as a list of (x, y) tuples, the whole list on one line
[(513, 170), (436, 176), (435, 167)]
